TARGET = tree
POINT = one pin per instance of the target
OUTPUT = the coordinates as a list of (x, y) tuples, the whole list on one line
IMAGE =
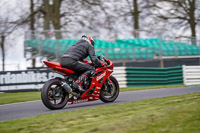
[(6, 28), (9, 21), (51, 12), (32, 23), (73, 15), (181, 13), (130, 15)]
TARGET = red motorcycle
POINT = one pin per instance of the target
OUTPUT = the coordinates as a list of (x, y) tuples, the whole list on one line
[(58, 92)]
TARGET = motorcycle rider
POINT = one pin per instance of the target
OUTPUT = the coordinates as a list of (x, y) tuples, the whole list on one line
[(73, 57)]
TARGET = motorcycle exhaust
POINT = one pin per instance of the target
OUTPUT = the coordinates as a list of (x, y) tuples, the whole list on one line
[(69, 89)]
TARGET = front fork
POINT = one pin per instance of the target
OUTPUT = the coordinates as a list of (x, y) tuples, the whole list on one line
[(109, 85), (109, 82)]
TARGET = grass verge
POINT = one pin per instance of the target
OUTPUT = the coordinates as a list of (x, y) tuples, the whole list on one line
[(176, 114), (150, 87), (6, 98)]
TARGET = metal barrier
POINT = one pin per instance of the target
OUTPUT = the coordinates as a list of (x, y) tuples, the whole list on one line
[(160, 50), (120, 75), (138, 76), (126, 76), (191, 75)]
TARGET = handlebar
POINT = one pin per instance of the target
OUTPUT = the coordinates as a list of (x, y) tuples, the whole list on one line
[(108, 62)]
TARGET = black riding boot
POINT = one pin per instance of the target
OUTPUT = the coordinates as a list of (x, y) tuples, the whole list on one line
[(78, 83)]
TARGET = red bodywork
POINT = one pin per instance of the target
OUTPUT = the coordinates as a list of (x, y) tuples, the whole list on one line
[(104, 73)]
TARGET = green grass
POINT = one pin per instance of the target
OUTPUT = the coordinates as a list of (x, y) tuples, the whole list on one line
[(150, 87), (6, 98), (176, 114)]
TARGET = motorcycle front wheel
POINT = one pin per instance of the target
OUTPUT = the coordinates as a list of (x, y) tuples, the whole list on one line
[(110, 93), (53, 95)]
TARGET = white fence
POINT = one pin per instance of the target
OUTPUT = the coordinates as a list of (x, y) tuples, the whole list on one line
[(120, 74), (191, 75)]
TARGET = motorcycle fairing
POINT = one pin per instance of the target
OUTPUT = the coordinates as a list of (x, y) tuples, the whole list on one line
[(94, 84), (56, 67)]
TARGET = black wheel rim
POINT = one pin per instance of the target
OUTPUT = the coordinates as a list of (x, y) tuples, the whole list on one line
[(110, 92), (56, 95)]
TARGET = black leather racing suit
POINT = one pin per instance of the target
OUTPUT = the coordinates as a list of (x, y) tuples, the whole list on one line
[(73, 57)]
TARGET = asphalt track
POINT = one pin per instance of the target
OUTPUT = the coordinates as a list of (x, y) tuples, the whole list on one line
[(33, 108)]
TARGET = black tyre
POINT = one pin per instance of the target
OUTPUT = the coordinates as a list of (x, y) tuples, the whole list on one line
[(109, 94), (53, 95)]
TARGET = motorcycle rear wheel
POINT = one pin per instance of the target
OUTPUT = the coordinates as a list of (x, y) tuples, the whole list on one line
[(115, 91), (53, 95)]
